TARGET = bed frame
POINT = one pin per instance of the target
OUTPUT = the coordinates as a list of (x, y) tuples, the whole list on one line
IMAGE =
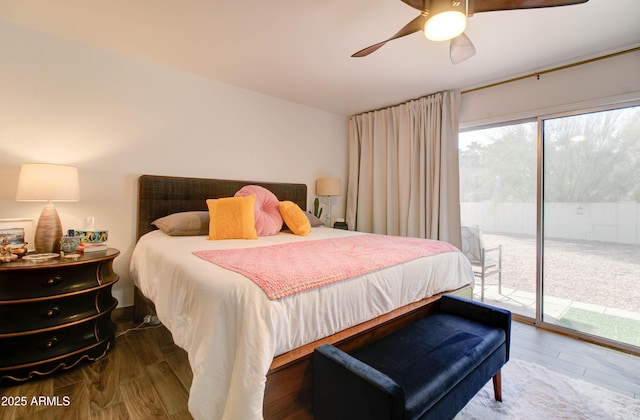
[(288, 386)]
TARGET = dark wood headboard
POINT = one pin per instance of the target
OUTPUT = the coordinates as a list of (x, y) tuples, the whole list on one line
[(160, 196)]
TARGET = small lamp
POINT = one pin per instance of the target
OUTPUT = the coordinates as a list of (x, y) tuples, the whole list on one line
[(47, 182), (328, 187)]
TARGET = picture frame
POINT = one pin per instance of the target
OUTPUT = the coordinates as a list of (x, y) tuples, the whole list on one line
[(18, 231)]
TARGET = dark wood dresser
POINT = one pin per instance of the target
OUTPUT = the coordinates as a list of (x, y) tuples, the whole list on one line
[(55, 313)]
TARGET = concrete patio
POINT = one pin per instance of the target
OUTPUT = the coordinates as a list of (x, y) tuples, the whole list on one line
[(596, 277)]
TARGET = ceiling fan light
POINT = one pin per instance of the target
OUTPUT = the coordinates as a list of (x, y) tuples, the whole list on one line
[(445, 25)]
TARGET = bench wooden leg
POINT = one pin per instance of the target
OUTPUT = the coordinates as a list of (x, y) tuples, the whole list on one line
[(497, 386)]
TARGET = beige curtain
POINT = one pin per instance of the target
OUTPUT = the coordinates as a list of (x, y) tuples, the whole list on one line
[(403, 169)]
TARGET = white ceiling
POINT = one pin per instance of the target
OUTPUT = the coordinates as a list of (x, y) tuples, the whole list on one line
[(299, 50)]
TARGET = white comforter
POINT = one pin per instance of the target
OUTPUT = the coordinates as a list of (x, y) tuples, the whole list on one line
[(232, 331)]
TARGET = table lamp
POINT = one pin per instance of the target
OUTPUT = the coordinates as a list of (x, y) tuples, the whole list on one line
[(48, 182), (328, 188)]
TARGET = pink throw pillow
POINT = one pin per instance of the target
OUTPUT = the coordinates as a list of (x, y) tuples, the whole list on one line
[(266, 209)]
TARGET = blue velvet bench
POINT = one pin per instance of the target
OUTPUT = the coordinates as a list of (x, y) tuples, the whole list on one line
[(429, 369)]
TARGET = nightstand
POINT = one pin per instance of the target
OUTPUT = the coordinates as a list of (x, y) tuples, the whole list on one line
[(341, 225), (55, 313)]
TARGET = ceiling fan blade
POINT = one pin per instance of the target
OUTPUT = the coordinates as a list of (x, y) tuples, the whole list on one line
[(477, 6), (415, 25), (461, 48), (422, 5)]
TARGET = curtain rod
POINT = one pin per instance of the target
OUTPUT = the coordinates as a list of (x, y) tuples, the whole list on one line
[(539, 73), (515, 79), (398, 104)]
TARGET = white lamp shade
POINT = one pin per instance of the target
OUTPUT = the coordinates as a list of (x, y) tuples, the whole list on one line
[(328, 186), (461, 48), (48, 182)]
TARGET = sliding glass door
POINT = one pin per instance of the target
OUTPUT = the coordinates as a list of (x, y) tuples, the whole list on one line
[(559, 197), (591, 223), (498, 207)]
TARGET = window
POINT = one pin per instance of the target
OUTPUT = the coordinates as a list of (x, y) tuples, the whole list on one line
[(561, 196)]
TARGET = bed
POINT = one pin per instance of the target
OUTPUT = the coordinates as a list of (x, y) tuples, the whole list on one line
[(250, 355)]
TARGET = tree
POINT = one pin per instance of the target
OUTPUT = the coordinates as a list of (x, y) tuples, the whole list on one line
[(500, 165), (592, 157)]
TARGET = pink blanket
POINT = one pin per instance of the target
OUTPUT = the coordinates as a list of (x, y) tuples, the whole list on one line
[(286, 269)]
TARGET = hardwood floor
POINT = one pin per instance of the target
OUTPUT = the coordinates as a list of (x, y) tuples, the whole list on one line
[(146, 376), (599, 365)]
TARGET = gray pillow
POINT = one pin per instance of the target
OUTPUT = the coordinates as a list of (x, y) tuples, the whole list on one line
[(188, 223), (313, 220)]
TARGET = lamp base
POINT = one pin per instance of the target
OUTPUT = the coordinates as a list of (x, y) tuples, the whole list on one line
[(329, 201), (48, 230)]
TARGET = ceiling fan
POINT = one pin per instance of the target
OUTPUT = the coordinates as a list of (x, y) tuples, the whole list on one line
[(443, 20)]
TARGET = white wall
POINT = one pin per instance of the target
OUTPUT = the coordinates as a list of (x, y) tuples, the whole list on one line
[(604, 222), (116, 117), (603, 82)]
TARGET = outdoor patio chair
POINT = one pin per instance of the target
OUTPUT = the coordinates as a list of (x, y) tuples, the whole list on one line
[(485, 261)]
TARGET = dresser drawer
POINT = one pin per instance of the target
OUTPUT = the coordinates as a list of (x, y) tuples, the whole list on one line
[(55, 313), (36, 314), (54, 280), (42, 345)]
